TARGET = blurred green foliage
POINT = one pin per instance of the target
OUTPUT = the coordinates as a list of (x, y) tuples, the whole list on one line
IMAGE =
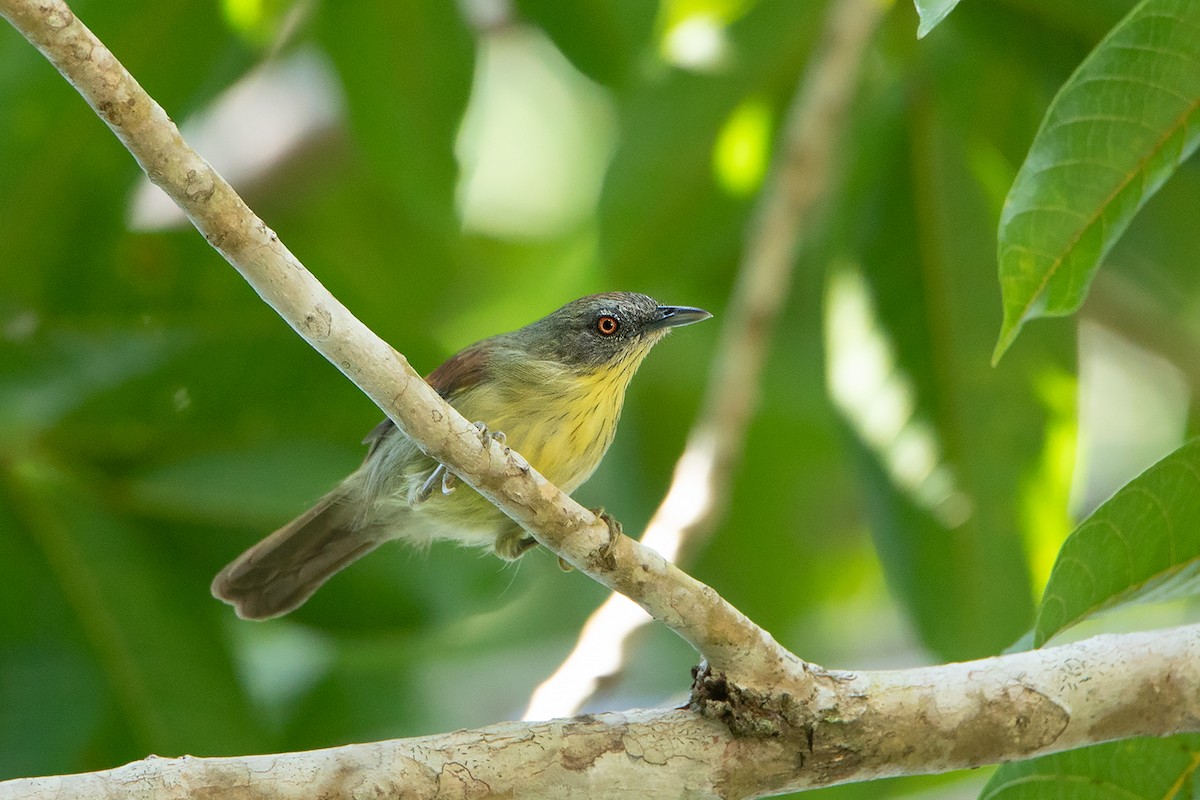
[(156, 417)]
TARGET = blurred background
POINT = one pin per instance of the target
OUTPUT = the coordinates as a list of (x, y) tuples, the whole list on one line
[(450, 171)]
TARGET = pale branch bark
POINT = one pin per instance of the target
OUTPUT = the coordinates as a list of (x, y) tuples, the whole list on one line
[(725, 637), (795, 187), (856, 726)]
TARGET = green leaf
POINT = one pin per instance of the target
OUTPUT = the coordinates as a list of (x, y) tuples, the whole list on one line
[(1117, 130), (51, 692), (52, 373), (932, 12), (407, 70), (261, 487), (1135, 769), (602, 38), (50, 138), (136, 605), (1142, 545)]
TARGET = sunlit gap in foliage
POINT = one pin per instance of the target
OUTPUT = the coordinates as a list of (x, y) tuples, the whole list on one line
[(692, 32), (278, 663), (743, 148), (535, 141), (877, 399), (689, 500), (243, 15), (266, 23), (1133, 408), (1045, 491), (250, 128)]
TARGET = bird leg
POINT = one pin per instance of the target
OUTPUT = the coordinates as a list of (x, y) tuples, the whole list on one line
[(448, 479)]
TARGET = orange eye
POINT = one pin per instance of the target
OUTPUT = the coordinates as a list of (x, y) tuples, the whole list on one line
[(607, 325)]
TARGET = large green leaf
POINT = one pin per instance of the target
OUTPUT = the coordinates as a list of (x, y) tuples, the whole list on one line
[(53, 372), (1136, 769), (1143, 544), (407, 70), (260, 487), (1116, 131), (51, 692), (58, 253)]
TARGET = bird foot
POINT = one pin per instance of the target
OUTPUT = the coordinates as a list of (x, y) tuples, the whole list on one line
[(607, 555), (447, 479), (440, 475), (485, 435), (512, 545)]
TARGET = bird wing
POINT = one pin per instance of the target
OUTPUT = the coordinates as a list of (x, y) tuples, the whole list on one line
[(461, 371), (373, 439)]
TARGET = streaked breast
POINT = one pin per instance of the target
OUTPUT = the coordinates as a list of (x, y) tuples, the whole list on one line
[(562, 422)]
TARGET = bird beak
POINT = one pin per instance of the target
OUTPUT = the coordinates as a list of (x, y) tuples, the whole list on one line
[(674, 316)]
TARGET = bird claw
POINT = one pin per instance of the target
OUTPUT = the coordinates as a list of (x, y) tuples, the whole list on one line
[(448, 480), (485, 434), (607, 550), (615, 532)]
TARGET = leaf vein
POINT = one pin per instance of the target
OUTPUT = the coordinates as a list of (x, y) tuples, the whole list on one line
[(1180, 122)]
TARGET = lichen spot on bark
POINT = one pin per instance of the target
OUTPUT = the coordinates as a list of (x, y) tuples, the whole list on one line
[(317, 324)]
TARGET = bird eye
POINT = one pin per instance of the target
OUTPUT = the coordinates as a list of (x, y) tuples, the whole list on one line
[(607, 325)]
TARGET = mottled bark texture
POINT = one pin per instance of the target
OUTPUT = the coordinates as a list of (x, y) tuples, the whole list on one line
[(731, 742)]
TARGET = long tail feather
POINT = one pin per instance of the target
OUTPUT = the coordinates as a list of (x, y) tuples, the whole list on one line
[(283, 570)]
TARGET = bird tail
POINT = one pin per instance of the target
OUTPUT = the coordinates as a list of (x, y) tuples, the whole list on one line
[(283, 570)]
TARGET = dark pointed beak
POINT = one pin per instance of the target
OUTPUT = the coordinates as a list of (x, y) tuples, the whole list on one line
[(674, 316)]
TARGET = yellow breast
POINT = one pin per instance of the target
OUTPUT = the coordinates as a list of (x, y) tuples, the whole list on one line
[(562, 422)]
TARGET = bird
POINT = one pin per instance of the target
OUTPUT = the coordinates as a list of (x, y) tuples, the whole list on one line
[(552, 390)]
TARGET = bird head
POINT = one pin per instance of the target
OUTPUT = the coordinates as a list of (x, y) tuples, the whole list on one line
[(604, 329)]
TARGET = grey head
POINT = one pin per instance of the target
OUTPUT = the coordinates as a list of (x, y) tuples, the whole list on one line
[(602, 328)]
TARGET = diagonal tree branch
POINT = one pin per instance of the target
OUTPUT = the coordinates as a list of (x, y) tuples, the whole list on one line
[(695, 501), (863, 725), (725, 638)]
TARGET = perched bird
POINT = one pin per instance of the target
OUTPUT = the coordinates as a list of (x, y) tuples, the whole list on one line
[(554, 391)]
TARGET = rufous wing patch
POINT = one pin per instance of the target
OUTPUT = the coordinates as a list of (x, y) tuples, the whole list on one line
[(461, 371)]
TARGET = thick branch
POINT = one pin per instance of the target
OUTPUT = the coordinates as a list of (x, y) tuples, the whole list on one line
[(695, 501), (724, 636), (865, 725)]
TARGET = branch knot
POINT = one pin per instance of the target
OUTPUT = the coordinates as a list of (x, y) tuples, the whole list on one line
[(748, 712)]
